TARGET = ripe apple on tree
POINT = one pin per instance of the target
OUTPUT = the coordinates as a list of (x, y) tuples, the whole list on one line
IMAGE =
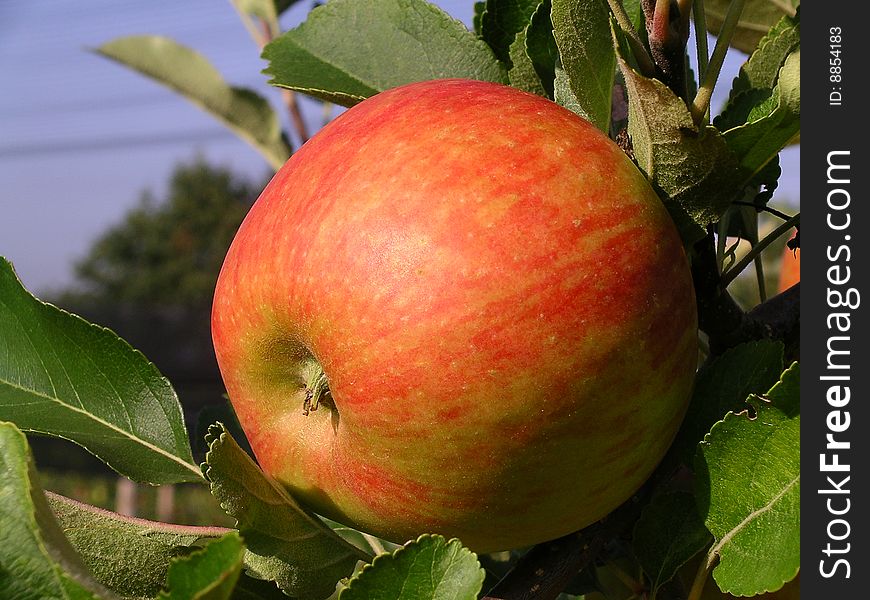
[(461, 309)]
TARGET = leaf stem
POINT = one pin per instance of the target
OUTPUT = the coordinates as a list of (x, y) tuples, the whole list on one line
[(701, 576), (705, 92), (268, 31), (249, 24), (191, 530), (766, 209), (700, 20), (644, 60), (734, 271), (375, 543)]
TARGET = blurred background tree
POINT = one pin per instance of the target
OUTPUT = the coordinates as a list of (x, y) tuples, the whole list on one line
[(151, 277), (166, 253)]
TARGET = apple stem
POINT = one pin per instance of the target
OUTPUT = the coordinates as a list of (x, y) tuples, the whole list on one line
[(316, 388)]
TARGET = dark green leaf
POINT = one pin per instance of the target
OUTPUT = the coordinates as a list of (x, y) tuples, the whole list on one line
[(479, 8), (502, 21), (721, 386), (748, 489), (757, 18), (693, 169), (223, 413), (669, 533), (541, 46), (534, 54), (190, 74), (761, 71), (209, 573), (634, 10), (348, 50), (64, 377), (522, 74), (286, 543), (36, 560), (771, 124), (582, 33), (429, 568)]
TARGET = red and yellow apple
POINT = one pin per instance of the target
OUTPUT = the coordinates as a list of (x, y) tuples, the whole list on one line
[(461, 309)]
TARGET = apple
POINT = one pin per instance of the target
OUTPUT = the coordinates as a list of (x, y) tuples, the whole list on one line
[(461, 309)]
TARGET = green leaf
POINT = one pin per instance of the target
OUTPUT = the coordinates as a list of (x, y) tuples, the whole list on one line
[(693, 169), (479, 8), (667, 535), (723, 385), (127, 555), (523, 75), (634, 10), (286, 543), (207, 574), (190, 74), (36, 560), (534, 54), (429, 568), (564, 96), (502, 21), (368, 543), (748, 488), (131, 556), (771, 125), (757, 18), (348, 50), (761, 71), (541, 46), (582, 33), (64, 377)]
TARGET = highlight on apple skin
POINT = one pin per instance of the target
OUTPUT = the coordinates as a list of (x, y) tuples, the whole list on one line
[(460, 309)]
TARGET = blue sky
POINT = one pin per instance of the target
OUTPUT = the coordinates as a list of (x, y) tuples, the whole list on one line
[(81, 137)]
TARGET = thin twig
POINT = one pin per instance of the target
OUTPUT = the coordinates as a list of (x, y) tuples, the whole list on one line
[(701, 577), (765, 208), (249, 25), (700, 20), (685, 8), (268, 30), (545, 570), (644, 60), (705, 92), (744, 262)]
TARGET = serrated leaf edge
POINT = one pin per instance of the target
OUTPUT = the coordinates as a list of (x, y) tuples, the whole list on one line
[(127, 347), (165, 593), (411, 544)]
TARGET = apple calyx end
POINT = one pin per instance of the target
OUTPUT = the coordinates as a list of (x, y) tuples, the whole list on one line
[(316, 387)]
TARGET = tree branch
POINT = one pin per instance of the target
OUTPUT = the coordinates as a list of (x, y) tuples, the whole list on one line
[(548, 568), (726, 324), (545, 570)]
